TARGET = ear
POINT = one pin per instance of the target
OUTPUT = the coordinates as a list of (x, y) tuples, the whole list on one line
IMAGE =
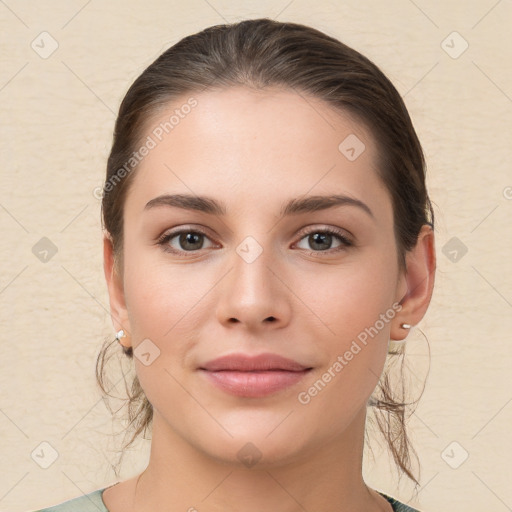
[(417, 283), (118, 310)]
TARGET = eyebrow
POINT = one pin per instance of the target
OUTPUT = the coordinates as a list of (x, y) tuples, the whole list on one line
[(292, 207)]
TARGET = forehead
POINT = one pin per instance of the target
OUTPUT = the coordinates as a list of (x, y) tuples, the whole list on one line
[(266, 142)]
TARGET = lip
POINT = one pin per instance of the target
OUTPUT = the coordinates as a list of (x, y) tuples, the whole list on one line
[(246, 363), (253, 376)]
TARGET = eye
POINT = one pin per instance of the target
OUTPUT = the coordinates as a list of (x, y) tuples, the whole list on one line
[(190, 240), (321, 240), (187, 240)]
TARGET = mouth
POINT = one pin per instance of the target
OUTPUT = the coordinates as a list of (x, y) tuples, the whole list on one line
[(253, 376), (254, 384), (261, 362)]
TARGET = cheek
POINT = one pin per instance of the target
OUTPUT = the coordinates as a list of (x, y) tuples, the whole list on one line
[(355, 306), (166, 304), (358, 311), (351, 298), (158, 295), (160, 303)]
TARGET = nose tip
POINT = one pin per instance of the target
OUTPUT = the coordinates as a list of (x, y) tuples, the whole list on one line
[(252, 295)]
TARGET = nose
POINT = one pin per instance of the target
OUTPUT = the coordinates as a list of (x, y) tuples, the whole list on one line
[(254, 294)]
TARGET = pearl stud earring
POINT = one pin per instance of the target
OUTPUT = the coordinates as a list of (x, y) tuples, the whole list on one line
[(120, 334)]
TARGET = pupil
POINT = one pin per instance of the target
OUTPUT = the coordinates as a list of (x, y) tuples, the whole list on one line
[(319, 238), (191, 238)]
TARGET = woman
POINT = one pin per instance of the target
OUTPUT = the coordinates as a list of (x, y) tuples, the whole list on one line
[(267, 234)]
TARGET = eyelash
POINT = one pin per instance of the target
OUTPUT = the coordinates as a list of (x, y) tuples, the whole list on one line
[(164, 239)]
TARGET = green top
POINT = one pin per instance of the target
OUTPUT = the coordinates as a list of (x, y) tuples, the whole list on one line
[(93, 502)]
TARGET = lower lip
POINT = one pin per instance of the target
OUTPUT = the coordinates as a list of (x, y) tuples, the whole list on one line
[(254, 384)]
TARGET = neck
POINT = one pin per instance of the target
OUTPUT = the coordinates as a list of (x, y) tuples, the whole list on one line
[(321, 477)]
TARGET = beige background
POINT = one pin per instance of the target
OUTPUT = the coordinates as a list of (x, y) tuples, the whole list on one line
[(57, 119)]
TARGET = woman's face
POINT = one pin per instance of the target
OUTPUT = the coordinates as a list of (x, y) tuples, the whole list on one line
[(255, 278)]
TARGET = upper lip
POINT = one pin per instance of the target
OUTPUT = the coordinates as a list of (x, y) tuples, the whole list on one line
[(247, 363)]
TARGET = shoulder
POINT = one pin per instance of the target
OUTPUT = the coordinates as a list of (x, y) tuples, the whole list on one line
[(397, 505), (91, 502)]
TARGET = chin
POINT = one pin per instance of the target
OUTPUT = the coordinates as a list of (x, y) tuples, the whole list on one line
[(258, 450)]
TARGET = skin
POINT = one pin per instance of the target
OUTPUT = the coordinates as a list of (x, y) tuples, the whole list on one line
[(253, 151)]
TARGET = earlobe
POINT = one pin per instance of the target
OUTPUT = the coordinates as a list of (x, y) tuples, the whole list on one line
[(419, 279), (118, 311)]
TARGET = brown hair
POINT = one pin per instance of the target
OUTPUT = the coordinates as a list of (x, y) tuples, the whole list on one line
[(260, 53)]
